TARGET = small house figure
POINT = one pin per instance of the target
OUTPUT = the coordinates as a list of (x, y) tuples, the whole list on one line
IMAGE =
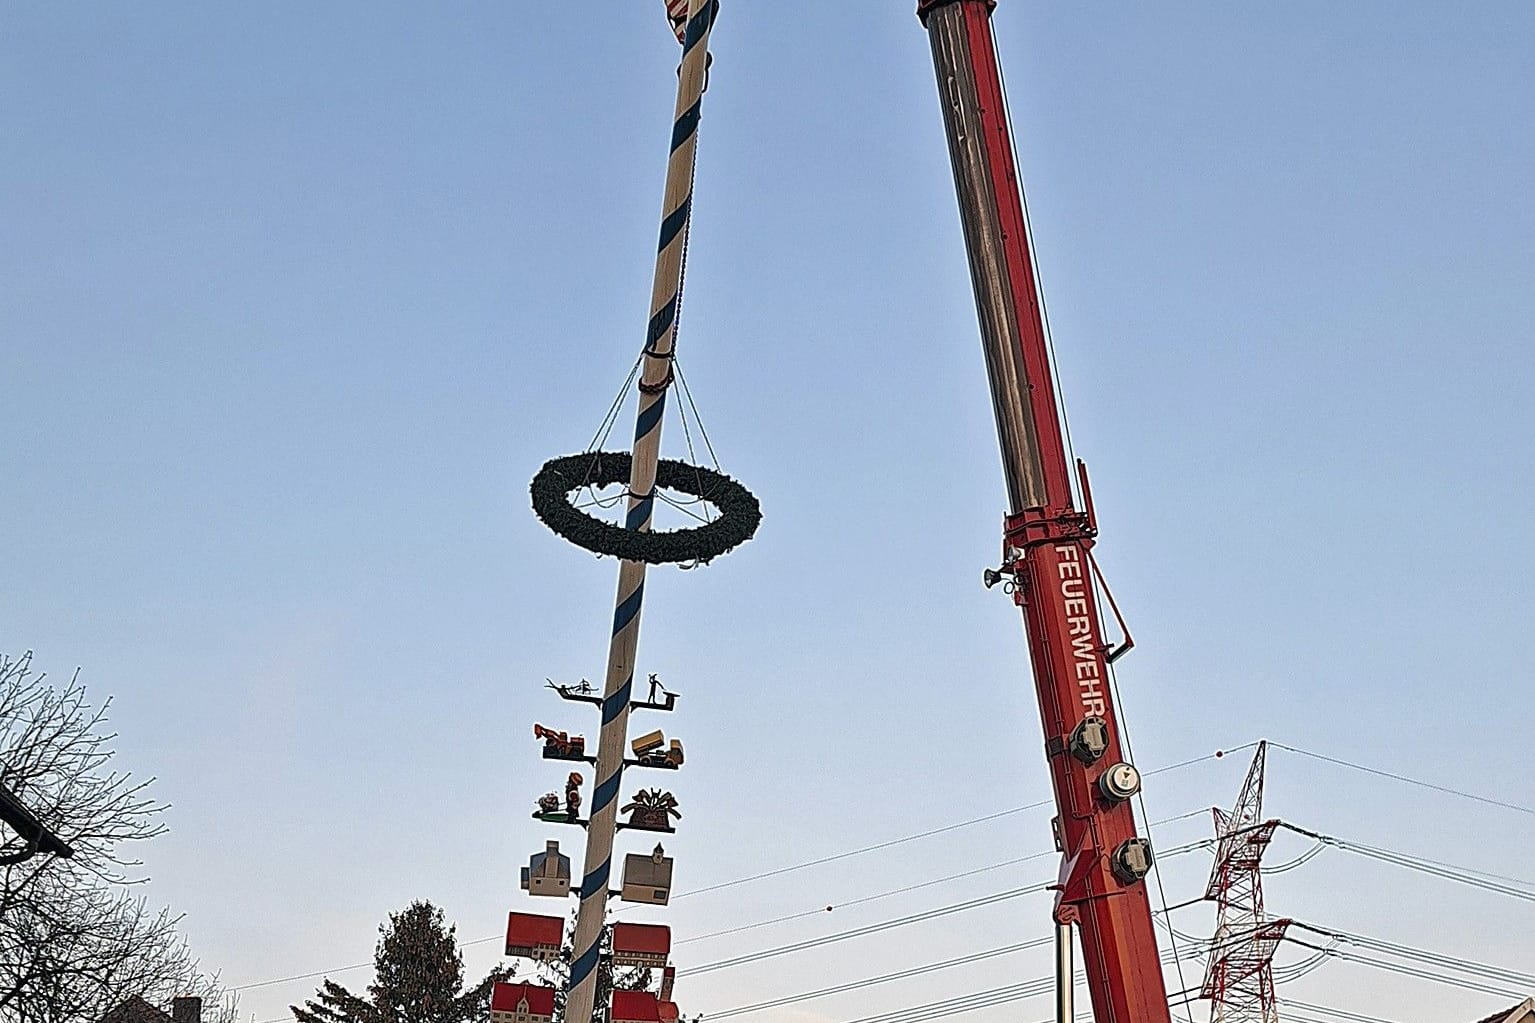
[(534, 937), (521, 1003), (648, 945), (647, 879), (635, 1007), (547, 873)]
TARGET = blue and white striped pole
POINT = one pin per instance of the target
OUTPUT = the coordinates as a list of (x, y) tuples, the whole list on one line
[(655, 379)]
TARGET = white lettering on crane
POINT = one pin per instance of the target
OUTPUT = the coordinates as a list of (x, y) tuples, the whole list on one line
[(1079, 626)]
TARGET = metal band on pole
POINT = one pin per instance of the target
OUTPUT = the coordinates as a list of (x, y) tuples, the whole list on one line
[(581, 988)]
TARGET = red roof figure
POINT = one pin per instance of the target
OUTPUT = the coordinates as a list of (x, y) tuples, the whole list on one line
[(636, 1007), (521, 1003), (534, 937), (641, 945)]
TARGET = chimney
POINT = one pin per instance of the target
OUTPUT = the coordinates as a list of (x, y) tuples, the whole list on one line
[(187, 1010)]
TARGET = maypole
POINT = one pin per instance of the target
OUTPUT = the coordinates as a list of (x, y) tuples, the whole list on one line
[(636, 546), (655, 379)]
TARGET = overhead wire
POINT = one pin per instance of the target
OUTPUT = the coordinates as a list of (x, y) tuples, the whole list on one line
[(875, 928), (865, 899), (858, 985), (1409, 971), (946, 829), (1171, 956), (1437, 868), (1443, 789), (794, 867), (1441, 959), (1140, 800), (1299, 861), (956, 1005), (1336, 1014), (905, 889)]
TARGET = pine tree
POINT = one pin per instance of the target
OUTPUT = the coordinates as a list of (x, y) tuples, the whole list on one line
[(418, 977)]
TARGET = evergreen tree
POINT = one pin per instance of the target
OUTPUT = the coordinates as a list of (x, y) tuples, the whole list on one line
[(418, 977), (609, 979)]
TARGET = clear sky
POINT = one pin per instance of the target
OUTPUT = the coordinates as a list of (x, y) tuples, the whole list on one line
[(296, 298)]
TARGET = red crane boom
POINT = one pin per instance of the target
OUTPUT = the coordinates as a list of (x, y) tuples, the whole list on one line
[(1048, 542)]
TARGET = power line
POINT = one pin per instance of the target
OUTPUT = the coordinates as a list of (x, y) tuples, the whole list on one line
[(1410, 971), (805, 865), (1334, 1014), (1437, 868), (858, 985), (905, 889), (865, 899), (1452, 872), (1488, 800), (1442, 959), (978, 999), (859, 932)]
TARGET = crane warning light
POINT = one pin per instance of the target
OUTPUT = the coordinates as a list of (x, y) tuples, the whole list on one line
[(1119, 783)]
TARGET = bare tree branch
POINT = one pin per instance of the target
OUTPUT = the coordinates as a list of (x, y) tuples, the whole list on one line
[(74, 941)]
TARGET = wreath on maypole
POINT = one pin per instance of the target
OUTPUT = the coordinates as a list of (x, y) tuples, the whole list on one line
[(740, 513)]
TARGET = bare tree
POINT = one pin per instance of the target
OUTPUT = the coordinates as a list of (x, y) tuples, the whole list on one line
[(74, 939)]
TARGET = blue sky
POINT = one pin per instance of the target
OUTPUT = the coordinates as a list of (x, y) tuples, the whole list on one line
[(297, 299)]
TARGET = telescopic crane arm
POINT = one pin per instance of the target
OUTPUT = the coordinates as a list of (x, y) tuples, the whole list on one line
[(1047, 548)]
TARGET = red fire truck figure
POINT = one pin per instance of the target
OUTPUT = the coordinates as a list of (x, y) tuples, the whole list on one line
[(651, 750), (560, 746), (652, 810), (549, 803)]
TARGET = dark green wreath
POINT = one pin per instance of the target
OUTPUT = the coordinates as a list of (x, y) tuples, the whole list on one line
[(740, 514)]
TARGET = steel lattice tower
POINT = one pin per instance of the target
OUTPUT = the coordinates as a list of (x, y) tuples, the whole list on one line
[(1239, 980)]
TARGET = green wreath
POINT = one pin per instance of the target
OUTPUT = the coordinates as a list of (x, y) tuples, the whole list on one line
[(740, 514)]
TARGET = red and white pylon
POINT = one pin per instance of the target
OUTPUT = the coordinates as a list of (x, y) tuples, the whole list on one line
[(1239, 980)]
